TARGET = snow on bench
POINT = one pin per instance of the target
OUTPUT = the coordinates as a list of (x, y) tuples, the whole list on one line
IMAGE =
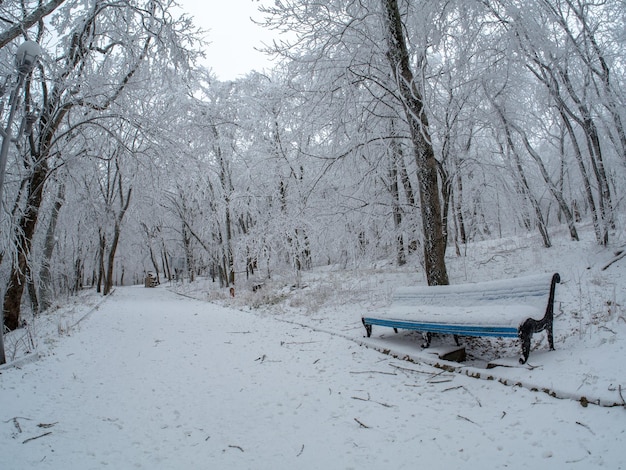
[(510, 308)]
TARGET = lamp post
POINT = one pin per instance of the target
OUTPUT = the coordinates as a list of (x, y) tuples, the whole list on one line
[(25, 59)]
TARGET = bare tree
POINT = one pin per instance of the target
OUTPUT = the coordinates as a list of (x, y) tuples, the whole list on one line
[(398, 55)]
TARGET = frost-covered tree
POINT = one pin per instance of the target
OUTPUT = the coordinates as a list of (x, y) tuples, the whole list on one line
[(103, 46)]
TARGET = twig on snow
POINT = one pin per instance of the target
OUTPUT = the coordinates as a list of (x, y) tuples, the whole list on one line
[(443, 381), (474, 396), (410, 370), (236, 447), (373, 372), (493, 258), (463, 387), (607, 329), (618, 256), (619, 390), (37, 437), (361, 424), (14, 419), (436, 375), (16, 423), (301, 450), (585, 426), (386, 405), (452, 388), (46, 425), (467, 419)]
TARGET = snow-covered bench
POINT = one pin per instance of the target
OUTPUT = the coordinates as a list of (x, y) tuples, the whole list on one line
[(510, 308)]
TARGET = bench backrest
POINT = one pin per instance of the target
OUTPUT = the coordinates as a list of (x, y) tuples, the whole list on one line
[(529, 291)]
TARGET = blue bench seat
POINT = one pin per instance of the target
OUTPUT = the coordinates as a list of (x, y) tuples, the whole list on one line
[(509, 308)]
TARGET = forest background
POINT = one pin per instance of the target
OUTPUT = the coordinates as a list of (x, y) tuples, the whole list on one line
[(387, 129)]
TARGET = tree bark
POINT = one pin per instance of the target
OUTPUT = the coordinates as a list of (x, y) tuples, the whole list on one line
[(124, 203), (25, 232), (398, 56), (46, 293)]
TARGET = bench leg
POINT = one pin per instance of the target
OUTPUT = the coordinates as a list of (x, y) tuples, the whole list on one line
[(550, 337), (525, 339), (526, 331), (368, 328)]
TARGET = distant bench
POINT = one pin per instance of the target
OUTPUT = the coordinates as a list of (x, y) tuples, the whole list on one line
[(509, 308)]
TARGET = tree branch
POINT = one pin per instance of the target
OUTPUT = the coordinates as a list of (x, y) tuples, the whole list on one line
[(28, 21)]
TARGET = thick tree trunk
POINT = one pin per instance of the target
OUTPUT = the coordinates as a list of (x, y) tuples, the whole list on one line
[(125, 202), (108, 278), (229, 263), (24, 236), (189, 260), (434, 244), (46, 293), (101, 251), (78, 275)]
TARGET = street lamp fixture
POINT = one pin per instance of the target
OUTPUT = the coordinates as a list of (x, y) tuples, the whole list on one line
[(26, 56), (25, 60)]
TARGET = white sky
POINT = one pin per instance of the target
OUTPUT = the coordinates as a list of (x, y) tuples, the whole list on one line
[(232, 35)]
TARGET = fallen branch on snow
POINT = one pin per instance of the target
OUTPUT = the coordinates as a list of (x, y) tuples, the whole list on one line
[(618, 256), (37, 437)]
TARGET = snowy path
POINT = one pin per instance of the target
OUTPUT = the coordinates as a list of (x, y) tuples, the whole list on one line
[(157, 381)]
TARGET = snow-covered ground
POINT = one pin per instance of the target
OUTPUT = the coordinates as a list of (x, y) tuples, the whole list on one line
[(183, 376)]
